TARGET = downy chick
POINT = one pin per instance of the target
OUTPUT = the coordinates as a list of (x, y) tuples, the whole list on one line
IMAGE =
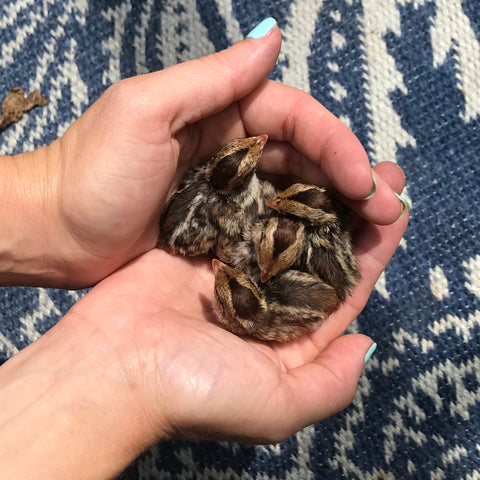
[(216, 199), (275, 243), (291, 304), (328, 246)]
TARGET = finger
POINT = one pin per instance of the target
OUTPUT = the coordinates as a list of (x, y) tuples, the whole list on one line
[(391, 173), (190, 91), (384, 207), (374, 247), (325, 385), (317, 135)]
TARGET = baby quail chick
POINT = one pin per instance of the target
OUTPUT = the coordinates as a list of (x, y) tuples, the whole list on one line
[(274, 244), (279, 243), (289, 305), (308, 202), (213, 199), (239, 196), (240, 307), (328, 249)]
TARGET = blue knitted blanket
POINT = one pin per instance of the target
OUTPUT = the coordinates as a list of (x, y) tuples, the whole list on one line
[(404, 75)]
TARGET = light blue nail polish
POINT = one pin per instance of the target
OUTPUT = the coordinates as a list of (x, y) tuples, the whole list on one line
[(262, 28), (405, 205), (374, 188), (370, 352)]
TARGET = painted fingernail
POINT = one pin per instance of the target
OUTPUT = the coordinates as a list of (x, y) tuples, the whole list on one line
[(370, 352), (374, 188), (263, 28), (405, 206)]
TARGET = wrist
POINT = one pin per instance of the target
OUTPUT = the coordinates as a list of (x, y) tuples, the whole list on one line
[(33, 241), (65, 414)]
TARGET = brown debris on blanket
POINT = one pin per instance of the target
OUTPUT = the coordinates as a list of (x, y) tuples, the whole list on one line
[(16, 104)]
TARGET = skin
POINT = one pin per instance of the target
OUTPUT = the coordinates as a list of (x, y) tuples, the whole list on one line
[(136, 360)]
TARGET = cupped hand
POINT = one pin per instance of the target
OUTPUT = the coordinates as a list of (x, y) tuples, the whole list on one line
[(123, 157), (150, 327), (138, 359)]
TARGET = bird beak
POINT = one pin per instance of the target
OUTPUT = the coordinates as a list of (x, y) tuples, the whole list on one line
[(262, 140), (272, 202), (265, 277), (217, 265)]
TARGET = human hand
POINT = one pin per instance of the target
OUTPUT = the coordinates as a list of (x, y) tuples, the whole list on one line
[(137, 360), (108, 177)]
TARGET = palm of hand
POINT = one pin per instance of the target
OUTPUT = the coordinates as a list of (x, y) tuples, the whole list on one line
[(186, 374)]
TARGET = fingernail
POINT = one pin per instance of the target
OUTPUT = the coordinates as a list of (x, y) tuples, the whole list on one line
[(370, 352), (374, 188), (405, 206), (263, 28)]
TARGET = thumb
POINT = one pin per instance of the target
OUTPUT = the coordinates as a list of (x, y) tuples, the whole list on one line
[(187, 92)]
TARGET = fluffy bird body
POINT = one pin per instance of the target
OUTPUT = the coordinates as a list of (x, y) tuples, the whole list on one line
[(185, 226), (285, 258), (216, 201), (274, 244), (327, 251), (292, 304)]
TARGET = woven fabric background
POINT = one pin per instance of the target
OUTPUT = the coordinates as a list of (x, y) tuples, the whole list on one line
[(405, 76)]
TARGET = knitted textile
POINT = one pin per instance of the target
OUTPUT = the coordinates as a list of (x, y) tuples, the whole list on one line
[(404, 75)]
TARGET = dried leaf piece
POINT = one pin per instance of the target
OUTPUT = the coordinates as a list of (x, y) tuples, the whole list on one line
[(15, 105)]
